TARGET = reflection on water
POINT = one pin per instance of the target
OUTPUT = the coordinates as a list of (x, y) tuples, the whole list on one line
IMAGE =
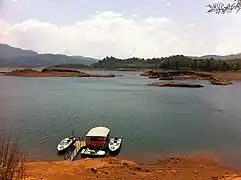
[(39, 112)]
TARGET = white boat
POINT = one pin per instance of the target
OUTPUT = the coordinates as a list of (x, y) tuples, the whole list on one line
[(115, 145), (65, 144), (96, 142), (92, 152)]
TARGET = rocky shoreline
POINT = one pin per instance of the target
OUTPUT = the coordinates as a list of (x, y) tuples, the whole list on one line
[(53, 73), (185, 75)]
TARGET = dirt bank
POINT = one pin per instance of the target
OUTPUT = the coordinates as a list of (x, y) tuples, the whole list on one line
[(186, 168), (229, 75)]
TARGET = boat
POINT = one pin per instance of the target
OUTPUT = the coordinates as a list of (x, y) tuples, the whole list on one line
[(96, 142), (92, 152), (65, 144), (115, 145)]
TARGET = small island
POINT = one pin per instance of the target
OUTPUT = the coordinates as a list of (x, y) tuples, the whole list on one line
[(185, 75), (53, 73), (175, 84)]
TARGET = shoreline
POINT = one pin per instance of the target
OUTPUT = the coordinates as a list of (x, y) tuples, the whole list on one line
[(183, 167), (228, 75)]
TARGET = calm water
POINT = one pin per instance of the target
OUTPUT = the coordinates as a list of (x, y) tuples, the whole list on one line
[(39, 112)]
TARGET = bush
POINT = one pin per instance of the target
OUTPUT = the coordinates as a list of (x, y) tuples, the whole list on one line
[(12, 162)]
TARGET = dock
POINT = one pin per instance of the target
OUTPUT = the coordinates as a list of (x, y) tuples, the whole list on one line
[(72, 153)]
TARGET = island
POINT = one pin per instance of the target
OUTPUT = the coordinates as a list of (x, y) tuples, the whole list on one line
[(175, 84), (53, 73), (184, 75)]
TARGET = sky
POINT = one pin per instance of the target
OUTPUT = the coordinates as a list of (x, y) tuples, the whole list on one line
[(120, 28)]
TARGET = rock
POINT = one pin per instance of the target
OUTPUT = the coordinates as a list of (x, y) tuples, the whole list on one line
[(173, 160), (219, 81), (166, 78), (93, 169), (125, 164), (195, 172), (175, 84), (154, 77), (147, 73), (101, 75), (177, 74), (137, 168), (147, 170)]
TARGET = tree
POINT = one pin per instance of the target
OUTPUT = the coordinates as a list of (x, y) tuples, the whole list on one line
[(221, 8)]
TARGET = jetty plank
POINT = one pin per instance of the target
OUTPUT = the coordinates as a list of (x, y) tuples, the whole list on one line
[(79, 144)]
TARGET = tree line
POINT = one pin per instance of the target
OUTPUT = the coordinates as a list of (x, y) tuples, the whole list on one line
[(177, 62)]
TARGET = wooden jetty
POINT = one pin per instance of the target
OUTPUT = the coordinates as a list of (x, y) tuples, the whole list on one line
[(73, 152)]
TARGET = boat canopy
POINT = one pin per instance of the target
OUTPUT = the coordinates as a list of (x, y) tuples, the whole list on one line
[(98, 132)]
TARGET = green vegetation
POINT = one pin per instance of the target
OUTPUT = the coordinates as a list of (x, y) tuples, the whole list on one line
[(11, 161), (178, 62), (70, 66), (221, 8)]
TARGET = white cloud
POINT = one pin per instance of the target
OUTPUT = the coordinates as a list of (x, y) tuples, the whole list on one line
[(168, 4), (190, 25), (109, 33)]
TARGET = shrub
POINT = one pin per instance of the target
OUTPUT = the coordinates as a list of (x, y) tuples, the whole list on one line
[(12, 162)]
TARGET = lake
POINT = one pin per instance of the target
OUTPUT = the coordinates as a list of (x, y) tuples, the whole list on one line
[(153, 121)]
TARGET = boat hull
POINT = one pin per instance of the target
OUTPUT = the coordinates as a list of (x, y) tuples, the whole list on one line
[(92, 153), (64, 148), (114, 146)]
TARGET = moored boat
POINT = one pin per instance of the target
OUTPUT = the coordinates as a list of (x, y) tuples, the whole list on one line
[(115, 145), (92, 152), (96, 142), (65, 144)]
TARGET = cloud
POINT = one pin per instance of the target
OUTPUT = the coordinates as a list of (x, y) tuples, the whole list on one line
[(190, 25), (109, 33), (168, 4)]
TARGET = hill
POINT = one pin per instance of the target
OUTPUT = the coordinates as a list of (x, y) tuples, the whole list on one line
[(11, 56), (177, 62), (227, 57), (233, 56), (207, 57), (7, 51)]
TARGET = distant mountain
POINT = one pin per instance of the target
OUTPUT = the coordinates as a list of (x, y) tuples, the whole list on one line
[(7, 51), (227, 57), (207, 57), (11, 56), (212, 56), (233, 56), (89, 59)]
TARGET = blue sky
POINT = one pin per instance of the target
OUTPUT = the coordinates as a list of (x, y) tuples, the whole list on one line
[(120, 28)]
